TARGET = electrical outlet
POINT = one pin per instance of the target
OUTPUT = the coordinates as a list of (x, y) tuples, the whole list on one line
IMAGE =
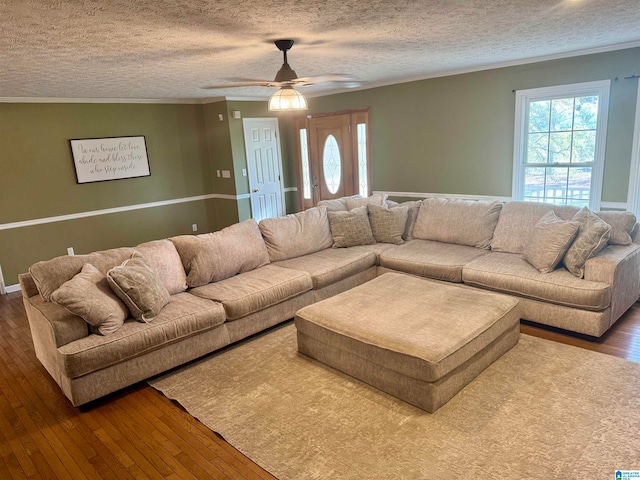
[(70, 251), (194, 227), (220, 117)]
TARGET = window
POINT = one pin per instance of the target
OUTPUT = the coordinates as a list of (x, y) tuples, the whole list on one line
[(559, 144)]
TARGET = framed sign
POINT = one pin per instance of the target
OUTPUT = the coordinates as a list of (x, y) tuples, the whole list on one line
[(100, 159)]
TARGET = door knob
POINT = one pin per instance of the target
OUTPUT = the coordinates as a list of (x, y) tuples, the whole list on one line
[(255, 190)]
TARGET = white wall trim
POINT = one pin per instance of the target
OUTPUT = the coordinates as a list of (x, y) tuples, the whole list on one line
[(613, 205), (12, 288), (607, 205), (442, 195), (633, 195), (107, 211), (2, 289)]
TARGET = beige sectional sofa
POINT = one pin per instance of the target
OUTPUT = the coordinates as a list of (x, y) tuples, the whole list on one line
[(228, 285)]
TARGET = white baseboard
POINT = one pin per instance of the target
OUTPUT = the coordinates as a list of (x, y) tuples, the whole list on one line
[(12, 288)]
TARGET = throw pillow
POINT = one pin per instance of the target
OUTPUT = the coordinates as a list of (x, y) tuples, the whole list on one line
[(88, 295), (413, 207), (376, 199), (388, 224), (622, 226), (593, 234), (352, 228), (141, 290), (549, 241)]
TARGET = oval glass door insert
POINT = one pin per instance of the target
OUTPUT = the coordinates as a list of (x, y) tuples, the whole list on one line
[(331, 164)]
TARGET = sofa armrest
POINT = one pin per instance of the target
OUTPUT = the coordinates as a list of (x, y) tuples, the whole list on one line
[(619, 267), (27, 285)]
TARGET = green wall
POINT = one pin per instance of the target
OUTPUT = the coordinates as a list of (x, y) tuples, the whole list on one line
[(38, 178), (455, 134)]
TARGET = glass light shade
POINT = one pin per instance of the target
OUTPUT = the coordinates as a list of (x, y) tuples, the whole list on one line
[(287, 98)]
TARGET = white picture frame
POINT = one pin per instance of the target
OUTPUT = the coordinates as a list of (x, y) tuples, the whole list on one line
[(111, 158)]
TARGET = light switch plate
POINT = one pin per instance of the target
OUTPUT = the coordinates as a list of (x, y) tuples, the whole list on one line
[(218, 173), (226, 174), (244, 172)]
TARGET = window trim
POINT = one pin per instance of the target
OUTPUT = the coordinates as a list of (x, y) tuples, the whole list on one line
[(601, 88)]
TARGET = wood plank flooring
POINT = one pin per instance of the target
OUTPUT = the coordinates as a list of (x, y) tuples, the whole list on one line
[(137, 432)]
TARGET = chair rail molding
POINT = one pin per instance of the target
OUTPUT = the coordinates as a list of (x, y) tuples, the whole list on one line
[(126, 208)]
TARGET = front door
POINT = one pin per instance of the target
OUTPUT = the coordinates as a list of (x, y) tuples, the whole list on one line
[(333, 156), (264, 165)]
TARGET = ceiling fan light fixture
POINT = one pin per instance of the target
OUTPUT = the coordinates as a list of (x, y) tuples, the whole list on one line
[(287, 98)]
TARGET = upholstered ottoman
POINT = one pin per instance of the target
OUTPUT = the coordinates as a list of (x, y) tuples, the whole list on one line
[(418, 340)]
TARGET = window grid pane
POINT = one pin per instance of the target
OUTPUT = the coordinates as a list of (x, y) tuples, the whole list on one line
[(362, 160), (304, 155), (558, 185), (561, 133)]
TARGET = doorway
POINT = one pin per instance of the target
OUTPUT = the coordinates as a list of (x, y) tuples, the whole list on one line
[(333, 155), (264, 167)]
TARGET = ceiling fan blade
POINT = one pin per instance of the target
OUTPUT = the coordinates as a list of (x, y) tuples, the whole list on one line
[(330, 77), (235, 85)]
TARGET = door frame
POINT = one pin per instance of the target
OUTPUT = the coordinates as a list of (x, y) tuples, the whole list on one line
[(355, 114), (246, 122)]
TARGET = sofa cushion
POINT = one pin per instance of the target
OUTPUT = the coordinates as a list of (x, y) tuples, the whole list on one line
[(388, 224), (185, 315), (212, 257), (463, 222), (511, 273), (137, 285), (375, 199), (331, 265), (49, 275), (352, 228), (336, 204), (549, 241), (593, 234), (89, 296), (622, 225), (441, 261), (296, 235), (163, 258), (255, 290), (517, 220)]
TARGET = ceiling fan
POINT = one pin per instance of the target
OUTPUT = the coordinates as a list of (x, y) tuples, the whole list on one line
[(286, 80)]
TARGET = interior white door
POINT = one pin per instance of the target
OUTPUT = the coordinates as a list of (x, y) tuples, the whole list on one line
[(264, 164)]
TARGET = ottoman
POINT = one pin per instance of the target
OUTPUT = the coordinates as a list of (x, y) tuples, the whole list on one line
[(418, 340)]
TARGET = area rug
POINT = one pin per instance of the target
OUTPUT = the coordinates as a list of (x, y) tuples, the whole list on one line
[(543, 410)]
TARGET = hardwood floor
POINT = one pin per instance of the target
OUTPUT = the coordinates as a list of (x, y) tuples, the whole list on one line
[(137, 432)]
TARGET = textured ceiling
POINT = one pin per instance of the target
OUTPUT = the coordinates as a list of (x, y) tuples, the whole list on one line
[(160, 49)]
